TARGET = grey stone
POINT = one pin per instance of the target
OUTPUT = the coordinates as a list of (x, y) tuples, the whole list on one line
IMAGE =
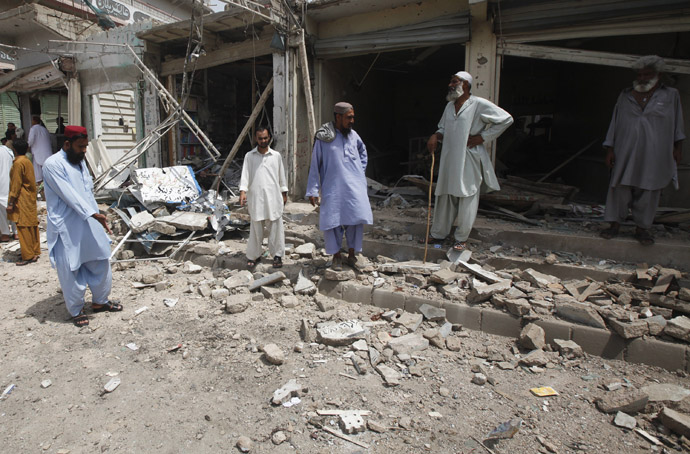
[(432, 313), (240, 279), (539, 279), (415, 279), (678, 327), (278, 437), (306, 250), (244, 444), (534, 358), (219, 294), (141, 221), (518, 307), (479, 379), (343, 333), (204, 290), (568, 348), (409, 343), (305, 331), (186, 220), (532, 337), (324, 303), (191, 268), (286, 392), (267, 280), (344, 275), (376, 426), (413, 266), (210, 248), (656, 324), (151, 278), (409, 320), (481, 293), (289, 301), (274, 354), (162, 228), (676, 421), (581, 313), (236, 304), (443, 276), (480, 272), (514, 293), (665, 392), (445, 329), (453, 344), (628, 401), (624, 420), (390, 376), (629, 330), (684, 294), (274, 293), (360, 346), (304, 286)]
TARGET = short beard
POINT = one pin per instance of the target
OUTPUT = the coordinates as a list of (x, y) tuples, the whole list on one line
[(74, 158), (346, 131), (643, 88), (454, 94)]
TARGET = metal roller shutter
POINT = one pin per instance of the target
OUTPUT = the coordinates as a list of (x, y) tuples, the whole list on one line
[(108, 110), (9, 113)]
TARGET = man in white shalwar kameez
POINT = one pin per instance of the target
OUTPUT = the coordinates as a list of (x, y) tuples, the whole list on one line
[(7, 228), (263, 187), (40, 144), (465, 170), (78, 246)]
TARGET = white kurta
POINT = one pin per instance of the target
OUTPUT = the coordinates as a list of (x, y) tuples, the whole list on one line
[(41, 148), (462, 169), (6, 160), (263, 179)]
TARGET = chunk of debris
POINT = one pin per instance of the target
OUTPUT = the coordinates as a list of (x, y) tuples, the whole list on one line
[(518, 307), (376, 426), (359, 364), (186, 220), (624, 420), (409, 320), (629, 330), (443, 276), (287, 391), (678, 327), (539, 279), (480, 272), (141, 221), (304, 286), (413, 266), (241, 279), (305, 331), (391, 377), (627, 401), (481, 292), (112, 384), (162, 228), (244, 444), (351, 422), (274, 354), (505, 430), (191, 268), (479, 379), (454, 344), (676, 421), (432, 313), (343, 275), (278, 437), (206, 248), (343, 333), (656, 324), (582, 313), (324, 303), (267, 280), (409, 343), (568, 349), (306, 250), (236, 303), (532, 337), (534, 358), (219, 294), (665, 392)]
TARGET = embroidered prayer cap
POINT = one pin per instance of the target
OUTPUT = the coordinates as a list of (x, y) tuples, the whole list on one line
[(342, 107), (464, 75), (75, 131)]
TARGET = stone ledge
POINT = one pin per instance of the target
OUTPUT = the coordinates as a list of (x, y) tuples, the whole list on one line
[(386, 299), (500, 323), (469, 317), (656, 353)]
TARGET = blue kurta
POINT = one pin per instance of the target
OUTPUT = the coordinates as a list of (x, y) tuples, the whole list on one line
[(337, 170), (70, 203)]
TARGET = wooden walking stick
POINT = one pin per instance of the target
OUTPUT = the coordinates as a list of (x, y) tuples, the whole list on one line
[(428, 214)]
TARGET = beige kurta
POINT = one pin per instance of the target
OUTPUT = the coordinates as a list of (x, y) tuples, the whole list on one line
[(23, 188)]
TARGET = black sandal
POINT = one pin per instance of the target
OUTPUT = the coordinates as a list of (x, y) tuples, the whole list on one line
[(644, 237), (252, 263), (26, 262), (80, 320), (277, 262), (110, 306), (460, 246), (609, 233)]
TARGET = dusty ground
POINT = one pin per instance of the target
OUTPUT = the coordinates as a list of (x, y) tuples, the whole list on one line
[(217, 387)]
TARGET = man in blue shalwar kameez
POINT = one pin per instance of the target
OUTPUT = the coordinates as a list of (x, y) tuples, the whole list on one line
[(338, 163), (78, 246)]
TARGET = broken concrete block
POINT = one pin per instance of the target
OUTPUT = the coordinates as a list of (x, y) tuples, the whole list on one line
[(432, 313), (684, 294), (162, 228), (532, 337), (186, 220), (219, 294), (240, 279), (305, 331), (568, 349), (480, 272), (151, 278), (374, 356), (343, 333), (581, 313), (274, 293), (412, 266), (359, 364), (274, 354), (629, 330), (236, 304), (479, 379), (244, 444), (624, 420), (304, 286), (286, 392), (482, 293), (627, 401), (534, 358), (289, 301), (409, 320), (360, 346), (678, 327), (514, 293), (324, 303), (453, 344), (351, 422), (390, 376), (415, 279), (443, 276), (344, 275), (267, 280), (434, 338), (141, 221), (409, 343), (539, 279), (541, 306), (306, 250), (670, 303), (445, 329), (191, 268), (518, 307), (665, 392), (656, 324), (210, 248), (204, 290), (676, 421)]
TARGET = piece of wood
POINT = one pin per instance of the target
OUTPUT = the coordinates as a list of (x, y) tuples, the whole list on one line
[(306, 82), (345, 437), (245, 130), (567, 161), (329, 412), (428, 214), (509, 213)]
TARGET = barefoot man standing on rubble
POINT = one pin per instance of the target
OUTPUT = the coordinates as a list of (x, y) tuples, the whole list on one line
[(263, 187), (338, 163), (78, 246), (643, 144), (468, 122)]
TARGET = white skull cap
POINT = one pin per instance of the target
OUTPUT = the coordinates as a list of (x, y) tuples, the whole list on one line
[(464, 75)]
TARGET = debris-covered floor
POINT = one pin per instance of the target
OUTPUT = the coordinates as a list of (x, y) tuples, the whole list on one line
[(198, 357)]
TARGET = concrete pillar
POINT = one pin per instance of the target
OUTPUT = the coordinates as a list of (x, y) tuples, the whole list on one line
[(74, 102), (148, 111), (280, 106)]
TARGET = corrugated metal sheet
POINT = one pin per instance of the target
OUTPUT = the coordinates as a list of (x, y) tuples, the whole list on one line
[(520, 16), (117, 138), (8, 111), (443, 30)]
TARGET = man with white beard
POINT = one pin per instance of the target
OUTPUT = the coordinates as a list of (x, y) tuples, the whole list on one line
[(643, 146), (465, 170)]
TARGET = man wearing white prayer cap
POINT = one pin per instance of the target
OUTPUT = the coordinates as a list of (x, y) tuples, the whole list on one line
[(465, 170)]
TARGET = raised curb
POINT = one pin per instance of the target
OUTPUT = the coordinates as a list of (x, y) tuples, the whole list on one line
[(467, 316), (500, 323), (656, 353), (599, 342)]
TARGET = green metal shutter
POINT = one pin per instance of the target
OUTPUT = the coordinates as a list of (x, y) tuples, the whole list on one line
[(8, 111)]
